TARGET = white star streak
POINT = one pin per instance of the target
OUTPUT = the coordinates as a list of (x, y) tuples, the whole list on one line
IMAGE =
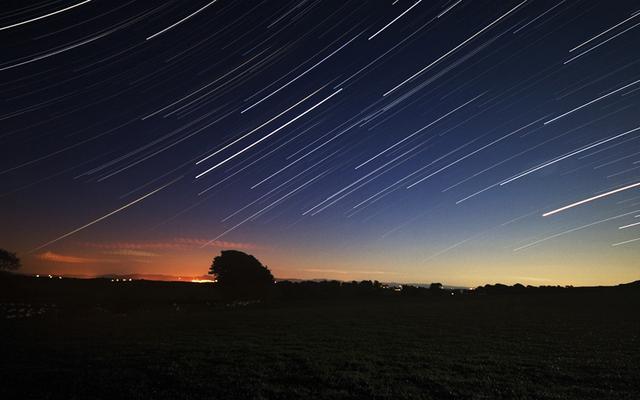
[(448, 9), (53, 53), (304, 156), (63, 49), (601, 43), (43, 16), (255, 161), (571, 154), (448, 249), (416, 132), (267, 136), (260, 126), (202, 88), (395, 19), (280, 185), (472, 153), (76, 144), (494, 166), (351, 185), (629, 226), (265, 208), (602, 33), (181, 21), (299, 76), (454, 49), (476, 193), (615, 161), (626, 242), (577, 203), (538, 17), (375, 60), (624, 171), (591, 102), (573, 230), (399, 181), (95, 221)]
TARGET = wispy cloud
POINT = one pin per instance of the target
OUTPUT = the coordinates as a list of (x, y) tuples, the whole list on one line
[(181, 243), (67, 259), (135, 256), (130, 253)]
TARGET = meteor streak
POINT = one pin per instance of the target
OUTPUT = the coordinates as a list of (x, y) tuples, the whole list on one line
[(95, 221), (591, 199)]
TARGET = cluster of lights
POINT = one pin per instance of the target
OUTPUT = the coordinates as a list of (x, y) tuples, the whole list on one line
[(121, 280), (49, 276)]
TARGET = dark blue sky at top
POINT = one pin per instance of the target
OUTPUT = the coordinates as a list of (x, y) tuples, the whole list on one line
[(94, 117)]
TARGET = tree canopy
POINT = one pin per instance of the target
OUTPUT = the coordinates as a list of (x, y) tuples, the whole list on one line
[(8, 261), (241, 275)]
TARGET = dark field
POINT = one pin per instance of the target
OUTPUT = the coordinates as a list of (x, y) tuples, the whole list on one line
[(177, 341)]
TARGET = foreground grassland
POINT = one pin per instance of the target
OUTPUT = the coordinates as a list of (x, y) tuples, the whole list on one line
[(576, 345)]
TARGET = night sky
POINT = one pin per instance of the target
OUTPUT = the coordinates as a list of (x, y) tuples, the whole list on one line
[(466, 141)]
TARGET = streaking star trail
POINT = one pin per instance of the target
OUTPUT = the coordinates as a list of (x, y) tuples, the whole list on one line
[(445, 141)]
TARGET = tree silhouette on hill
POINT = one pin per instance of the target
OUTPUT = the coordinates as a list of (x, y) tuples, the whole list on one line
[(8, 261), (240, 275)]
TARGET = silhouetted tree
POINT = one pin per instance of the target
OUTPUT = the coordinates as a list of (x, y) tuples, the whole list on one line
[(8, 261), (435, 286), (240, 275)]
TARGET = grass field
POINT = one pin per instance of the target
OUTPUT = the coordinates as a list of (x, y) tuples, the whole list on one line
[(579, 344)]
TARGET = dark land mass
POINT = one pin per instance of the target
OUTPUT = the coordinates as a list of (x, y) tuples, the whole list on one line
[(97, 339)]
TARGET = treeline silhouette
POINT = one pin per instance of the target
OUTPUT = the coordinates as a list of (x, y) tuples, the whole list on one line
[(338, 289), (90, 296), (328, 289)]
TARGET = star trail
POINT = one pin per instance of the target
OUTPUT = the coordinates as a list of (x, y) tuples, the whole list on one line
[(463, 141)]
